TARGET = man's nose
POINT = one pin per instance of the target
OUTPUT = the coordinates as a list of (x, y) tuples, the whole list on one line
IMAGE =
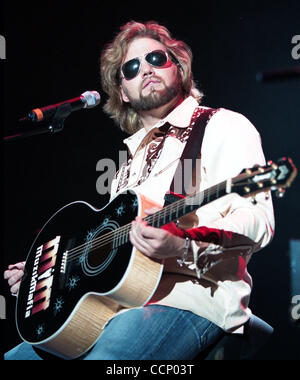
[(146, 68)]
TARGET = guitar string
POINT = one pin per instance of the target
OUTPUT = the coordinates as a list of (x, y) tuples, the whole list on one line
[(123, 231), (119, 238), (103, 240), (121, 234)]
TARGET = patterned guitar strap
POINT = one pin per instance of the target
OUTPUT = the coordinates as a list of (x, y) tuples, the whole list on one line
[(184, 173)]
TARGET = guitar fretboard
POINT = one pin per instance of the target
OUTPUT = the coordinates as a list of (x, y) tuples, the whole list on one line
[(186, 205), (173, 211)]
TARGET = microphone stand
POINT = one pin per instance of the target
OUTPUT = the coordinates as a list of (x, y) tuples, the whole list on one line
[(56, 124), (278, 75)]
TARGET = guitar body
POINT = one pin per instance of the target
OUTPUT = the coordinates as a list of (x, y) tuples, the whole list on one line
[(79, 272)]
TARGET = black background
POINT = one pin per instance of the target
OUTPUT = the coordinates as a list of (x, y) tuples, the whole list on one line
[(52, 54)]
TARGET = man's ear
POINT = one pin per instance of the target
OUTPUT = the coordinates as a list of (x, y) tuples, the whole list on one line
[(123, 95)]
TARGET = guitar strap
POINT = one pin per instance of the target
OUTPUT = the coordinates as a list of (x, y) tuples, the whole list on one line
[(190, 154)]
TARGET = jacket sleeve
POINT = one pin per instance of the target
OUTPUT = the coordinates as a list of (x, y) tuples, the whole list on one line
[(232, 225)]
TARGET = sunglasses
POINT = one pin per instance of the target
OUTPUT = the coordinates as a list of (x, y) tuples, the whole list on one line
[(156, 58)]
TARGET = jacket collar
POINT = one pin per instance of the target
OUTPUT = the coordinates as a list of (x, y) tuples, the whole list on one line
[(180, 117)]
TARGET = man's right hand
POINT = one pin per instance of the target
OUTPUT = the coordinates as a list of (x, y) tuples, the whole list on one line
[(14, 274)]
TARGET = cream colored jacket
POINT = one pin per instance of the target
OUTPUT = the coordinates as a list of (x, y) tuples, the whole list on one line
[(214, 283)]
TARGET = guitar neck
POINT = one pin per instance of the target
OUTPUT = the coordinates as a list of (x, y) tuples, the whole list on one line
[(274, 176), (186, 205)]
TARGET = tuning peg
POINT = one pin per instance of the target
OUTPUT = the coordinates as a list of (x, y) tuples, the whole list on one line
[(280, 193)]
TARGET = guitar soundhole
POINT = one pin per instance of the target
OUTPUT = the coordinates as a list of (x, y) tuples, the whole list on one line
[(99, 250), (98, 256)]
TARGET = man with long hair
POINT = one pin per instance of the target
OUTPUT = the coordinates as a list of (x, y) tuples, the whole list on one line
[(205, 286)]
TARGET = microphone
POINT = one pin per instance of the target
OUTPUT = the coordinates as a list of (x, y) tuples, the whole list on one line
[(88, 99)]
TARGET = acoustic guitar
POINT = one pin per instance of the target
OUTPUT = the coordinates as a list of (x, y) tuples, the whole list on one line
[(81, 268)]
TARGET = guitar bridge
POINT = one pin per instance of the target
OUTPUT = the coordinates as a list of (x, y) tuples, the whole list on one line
[(64, 262)]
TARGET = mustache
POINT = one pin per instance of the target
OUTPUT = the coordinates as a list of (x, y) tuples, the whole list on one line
[(156, 78)]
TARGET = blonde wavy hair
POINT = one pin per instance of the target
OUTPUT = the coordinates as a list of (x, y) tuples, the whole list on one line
[(112, 58)]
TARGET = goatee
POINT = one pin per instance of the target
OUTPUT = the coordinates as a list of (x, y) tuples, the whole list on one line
[(155, 99)]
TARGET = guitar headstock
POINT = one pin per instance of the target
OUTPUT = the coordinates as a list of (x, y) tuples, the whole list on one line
[(275, 176)]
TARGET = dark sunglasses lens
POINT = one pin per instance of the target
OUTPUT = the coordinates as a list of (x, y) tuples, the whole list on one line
[(157, 58), (131, 68)]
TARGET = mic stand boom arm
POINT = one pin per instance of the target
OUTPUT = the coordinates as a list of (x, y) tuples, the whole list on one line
[(56, 124)]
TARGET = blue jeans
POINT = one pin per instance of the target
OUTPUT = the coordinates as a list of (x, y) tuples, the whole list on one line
[(152, 332)]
